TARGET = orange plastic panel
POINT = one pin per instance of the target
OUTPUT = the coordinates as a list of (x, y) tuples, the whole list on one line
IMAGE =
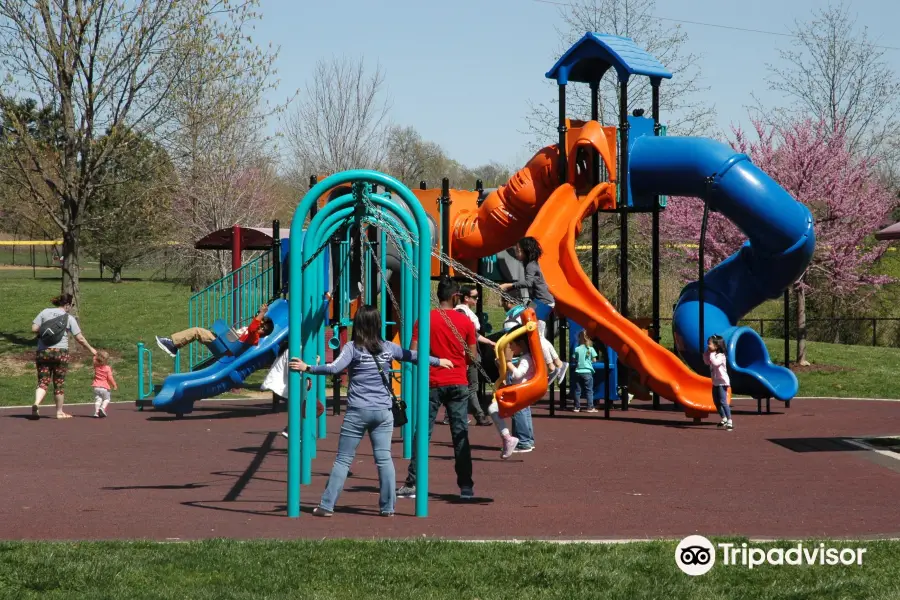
[(578, 300), (513, 398)]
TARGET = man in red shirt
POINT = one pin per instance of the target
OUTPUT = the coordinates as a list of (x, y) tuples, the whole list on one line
[(260, 326), (452, 337)]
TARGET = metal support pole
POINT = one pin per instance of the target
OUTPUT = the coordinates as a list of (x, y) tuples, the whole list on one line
[(445, 223), (337, 309), (276, 259), (313, 180), (236, 251), (787, 328), (562, 175), (564, 357), (623, 224), (562, 164), (655, 233), (595, 218), (701, 275)]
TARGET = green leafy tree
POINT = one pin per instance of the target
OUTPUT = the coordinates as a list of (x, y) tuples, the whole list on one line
[(130, 217)]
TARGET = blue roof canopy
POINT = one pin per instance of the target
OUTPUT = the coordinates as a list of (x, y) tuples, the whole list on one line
[(591, 56)]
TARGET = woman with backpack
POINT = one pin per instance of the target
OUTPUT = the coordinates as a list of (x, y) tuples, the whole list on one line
[(53, 326)]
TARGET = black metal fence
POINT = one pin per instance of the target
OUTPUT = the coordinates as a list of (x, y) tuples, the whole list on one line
[(856, 331)]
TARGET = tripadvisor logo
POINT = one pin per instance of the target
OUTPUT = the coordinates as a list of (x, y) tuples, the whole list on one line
[(696, 555)]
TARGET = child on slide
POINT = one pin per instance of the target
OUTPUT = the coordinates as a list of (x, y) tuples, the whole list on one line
[(259, 327), (516, 373)]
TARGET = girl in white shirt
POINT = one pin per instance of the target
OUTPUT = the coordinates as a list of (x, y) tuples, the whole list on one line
[(717, 360), (515, 373)]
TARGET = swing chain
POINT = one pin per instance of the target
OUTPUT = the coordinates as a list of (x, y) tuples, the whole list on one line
[(386, 285), (324, 245)]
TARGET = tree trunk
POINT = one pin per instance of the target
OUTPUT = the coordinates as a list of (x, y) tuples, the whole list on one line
[(70, 283), (801, 328), (117, 274)]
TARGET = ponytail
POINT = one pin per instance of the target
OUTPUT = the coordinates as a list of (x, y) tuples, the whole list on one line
[(62, 300)]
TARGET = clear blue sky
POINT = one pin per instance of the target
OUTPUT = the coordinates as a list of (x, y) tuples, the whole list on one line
[(462, 72)]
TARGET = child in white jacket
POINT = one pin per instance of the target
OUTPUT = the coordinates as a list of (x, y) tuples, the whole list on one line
[(717, 360), (515, 373)]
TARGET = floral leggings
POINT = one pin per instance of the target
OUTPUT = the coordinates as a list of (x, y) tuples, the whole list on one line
[(52, 365)]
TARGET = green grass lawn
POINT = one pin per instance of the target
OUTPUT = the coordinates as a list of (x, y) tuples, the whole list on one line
[(117, 316), (113, 317), (420, 570)]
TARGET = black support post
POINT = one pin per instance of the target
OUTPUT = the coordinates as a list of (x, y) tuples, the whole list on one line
[(787, 328), (595, 218), (313, 180), (562, 175), (702, 274), (276, 259), (623, 224), (562, 164), (336, 321), (445, 223), (655, 232)]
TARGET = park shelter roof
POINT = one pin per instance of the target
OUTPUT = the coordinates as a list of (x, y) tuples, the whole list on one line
[(591, 56), (252, 238), (889, 233)]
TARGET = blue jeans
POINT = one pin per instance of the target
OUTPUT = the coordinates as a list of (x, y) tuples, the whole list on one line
[(380, 426), (523, 428), (720, 399), (583, 383), (456, 399)]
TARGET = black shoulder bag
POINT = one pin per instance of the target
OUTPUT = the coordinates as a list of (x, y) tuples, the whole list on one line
[(398, 406), (52, 331)]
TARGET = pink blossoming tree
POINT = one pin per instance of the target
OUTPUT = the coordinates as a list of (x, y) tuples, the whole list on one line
[(811, 161)]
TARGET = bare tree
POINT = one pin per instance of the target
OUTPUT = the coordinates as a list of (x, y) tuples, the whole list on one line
[(341, 121), (106, 66), (410, 158), (685, 113), (834, 71), (225, 163)]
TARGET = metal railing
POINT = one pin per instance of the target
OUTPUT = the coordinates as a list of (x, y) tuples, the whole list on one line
[(145, 374), (855, 331), (234, 299)]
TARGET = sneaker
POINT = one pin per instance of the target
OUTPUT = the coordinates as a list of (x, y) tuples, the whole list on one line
[(576, 409), (385, 513), (561, 372), (167, 346), (321, 512), (466, 493), (484, 421), (722, 423), (35, 411), (523, 449), (592, 410), (509, 446), (551, 377), (729, 425), (97, 415), (284, 433), (101, 412), (406, 491)]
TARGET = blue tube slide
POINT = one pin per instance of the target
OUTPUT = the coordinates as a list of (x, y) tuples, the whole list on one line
[(778, 250)]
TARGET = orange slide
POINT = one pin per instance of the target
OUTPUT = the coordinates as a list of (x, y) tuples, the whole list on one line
[(556, 227)]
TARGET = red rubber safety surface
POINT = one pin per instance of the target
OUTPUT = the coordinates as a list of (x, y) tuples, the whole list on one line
[(221, 472)]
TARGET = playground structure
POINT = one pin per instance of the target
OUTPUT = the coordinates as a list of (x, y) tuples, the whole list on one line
[(399, 238)]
